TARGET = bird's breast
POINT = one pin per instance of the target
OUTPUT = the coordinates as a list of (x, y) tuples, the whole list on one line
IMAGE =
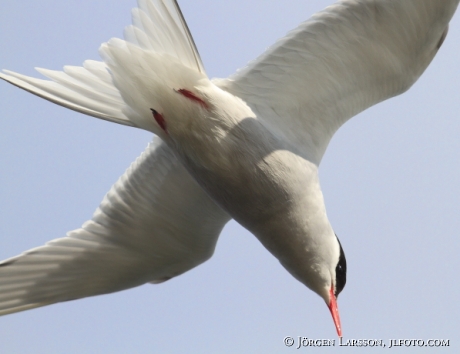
[(246, 169)]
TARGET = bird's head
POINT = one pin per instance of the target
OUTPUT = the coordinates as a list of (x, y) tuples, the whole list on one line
[(325, 273)]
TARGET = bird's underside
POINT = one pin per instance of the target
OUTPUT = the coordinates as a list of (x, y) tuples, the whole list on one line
[(157, 221)]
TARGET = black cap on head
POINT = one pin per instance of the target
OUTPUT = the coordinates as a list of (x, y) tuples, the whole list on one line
[(340, 272)]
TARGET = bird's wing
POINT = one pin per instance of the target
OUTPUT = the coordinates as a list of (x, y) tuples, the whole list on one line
[(343, 60), (155, 223), (158, 27)]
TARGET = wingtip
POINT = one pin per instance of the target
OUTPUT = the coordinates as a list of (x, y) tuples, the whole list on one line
[(4, 75), (11, 310)]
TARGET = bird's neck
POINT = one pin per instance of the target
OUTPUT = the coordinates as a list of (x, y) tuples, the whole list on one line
[(301, 237)]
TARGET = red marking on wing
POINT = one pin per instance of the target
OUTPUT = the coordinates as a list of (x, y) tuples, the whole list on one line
[(159, 119), (190, 95)]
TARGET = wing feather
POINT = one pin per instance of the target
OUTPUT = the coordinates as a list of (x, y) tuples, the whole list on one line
[(343, 60), (155, 223)]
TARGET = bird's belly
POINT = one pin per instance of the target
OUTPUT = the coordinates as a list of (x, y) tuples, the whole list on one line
[(248, 172)]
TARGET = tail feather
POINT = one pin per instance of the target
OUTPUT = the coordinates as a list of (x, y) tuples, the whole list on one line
[(89, 79), (147, 80), (165, 22), (158, 31), (97, 91), (69, 98), (99, 70)]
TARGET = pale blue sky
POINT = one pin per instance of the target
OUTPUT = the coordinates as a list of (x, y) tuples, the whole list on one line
[(390, 178)]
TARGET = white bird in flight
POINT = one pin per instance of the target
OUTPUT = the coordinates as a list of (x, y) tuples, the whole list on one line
[(247, 147)]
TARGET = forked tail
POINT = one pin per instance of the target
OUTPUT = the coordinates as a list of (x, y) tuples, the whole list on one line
[(157, 42)]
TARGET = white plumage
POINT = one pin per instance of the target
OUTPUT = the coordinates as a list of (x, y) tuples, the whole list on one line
[(352, 55)]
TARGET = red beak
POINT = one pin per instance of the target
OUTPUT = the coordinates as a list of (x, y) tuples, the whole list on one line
[(335, 311)]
